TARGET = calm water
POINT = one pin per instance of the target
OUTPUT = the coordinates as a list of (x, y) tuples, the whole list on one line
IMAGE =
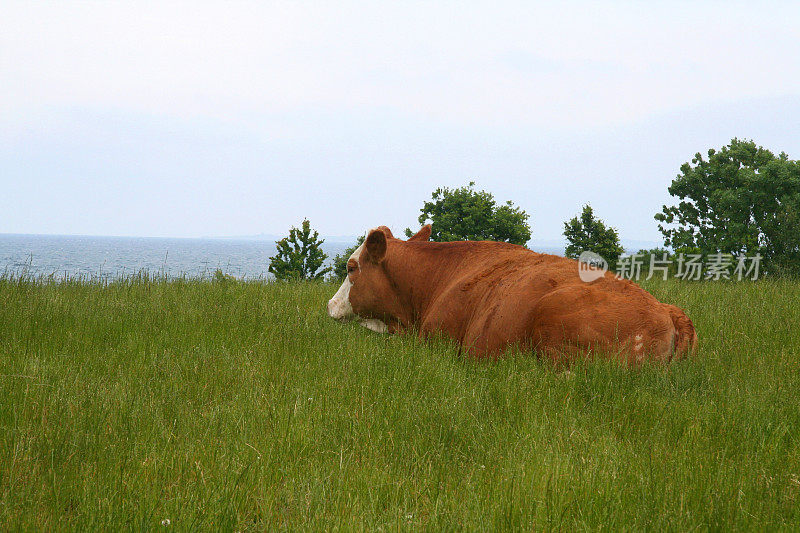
[(60, 256), (122, 256)]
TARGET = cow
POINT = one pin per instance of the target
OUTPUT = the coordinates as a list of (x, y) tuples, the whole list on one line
[(491, 296)]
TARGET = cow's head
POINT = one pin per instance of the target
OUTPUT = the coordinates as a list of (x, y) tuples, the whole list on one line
[(367, 294)]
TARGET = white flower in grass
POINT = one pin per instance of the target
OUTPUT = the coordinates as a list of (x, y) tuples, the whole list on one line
[(165, 522)]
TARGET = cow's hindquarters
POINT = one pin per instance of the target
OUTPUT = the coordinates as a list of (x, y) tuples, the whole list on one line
[(685, 334), (581, 319)]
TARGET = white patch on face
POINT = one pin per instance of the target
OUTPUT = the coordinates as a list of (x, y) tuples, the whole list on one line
[(339, 306)]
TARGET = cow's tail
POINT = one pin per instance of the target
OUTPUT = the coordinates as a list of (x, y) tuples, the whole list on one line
[(685, 342)]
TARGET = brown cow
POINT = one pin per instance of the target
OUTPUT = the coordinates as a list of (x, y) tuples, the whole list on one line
[(492, 295)]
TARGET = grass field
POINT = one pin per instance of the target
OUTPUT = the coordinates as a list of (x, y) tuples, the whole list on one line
[(241, 406)]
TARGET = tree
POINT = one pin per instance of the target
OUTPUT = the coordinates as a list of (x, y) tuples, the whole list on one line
[(339, 271), (739, 201), (588, 233), (465, 214), (299, 256), (783, 238), (659, 258)]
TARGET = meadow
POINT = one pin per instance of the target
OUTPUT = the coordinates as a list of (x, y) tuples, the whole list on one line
[(199, 404)]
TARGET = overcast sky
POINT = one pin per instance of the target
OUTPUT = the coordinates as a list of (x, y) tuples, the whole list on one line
[(218, 119)]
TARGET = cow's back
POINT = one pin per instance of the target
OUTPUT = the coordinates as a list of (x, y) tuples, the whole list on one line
[(488, 296), (503, 295)]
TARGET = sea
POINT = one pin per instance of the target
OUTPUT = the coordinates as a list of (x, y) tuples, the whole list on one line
[(91, 257)]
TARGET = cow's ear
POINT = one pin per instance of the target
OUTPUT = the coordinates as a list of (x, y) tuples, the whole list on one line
[(376, 245), (422, 235), (386, 231)]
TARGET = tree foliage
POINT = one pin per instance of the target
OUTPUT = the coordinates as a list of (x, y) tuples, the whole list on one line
[(742, 199), (300, 255), (465, 214), (587, 233), (339, 271), (783, 239)]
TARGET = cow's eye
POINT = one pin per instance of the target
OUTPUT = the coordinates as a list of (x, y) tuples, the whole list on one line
[(350, 268)]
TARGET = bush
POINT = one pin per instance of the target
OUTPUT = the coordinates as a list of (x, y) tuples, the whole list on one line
[(588, 233), (300, 255), (465, 214)]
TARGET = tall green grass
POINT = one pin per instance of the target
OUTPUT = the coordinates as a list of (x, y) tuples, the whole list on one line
[(241, 406)]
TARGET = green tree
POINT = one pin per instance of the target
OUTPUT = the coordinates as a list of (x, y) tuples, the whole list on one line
[(299, 256), (783, 238), (339, 271), (741, 200), (465, 214), (659, 255), (587, 233)]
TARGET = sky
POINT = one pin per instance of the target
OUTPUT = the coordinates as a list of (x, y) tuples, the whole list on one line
[(229, 119)]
